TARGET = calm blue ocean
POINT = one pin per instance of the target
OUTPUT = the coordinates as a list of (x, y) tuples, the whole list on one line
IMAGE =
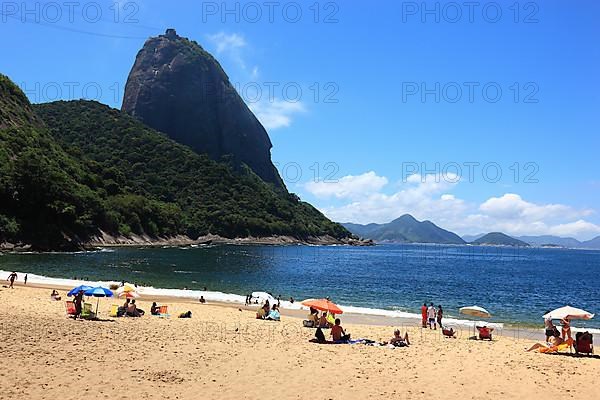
[(515, 285)]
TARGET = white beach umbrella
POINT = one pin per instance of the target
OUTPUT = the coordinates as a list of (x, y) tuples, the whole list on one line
[(475, 311), (569, 312), (263, 296)]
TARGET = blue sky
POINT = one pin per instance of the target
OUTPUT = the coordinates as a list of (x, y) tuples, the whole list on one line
[(387, 90)]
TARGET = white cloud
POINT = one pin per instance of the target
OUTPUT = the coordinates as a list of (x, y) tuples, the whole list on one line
[(348, 187), (429, 197), (230, 45), (512, 206), (277, 113), (227, 42)]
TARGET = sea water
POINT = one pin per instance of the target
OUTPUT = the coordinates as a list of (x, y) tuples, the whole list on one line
[(516, 285)]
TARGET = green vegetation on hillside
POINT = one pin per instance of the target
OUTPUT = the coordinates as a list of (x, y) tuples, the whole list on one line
[(87, 167), (197, 195), (499, 239)]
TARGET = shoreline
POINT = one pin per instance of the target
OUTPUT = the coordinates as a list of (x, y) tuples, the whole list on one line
[(105, 240), (352, 315)]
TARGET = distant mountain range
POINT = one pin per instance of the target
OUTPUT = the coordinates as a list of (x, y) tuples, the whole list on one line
[(407, 229), (548, 240)]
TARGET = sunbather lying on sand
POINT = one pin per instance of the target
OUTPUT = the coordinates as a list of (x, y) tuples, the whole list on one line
[(554, 341)]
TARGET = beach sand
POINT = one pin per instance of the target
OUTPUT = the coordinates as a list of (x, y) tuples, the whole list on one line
[(223, 353)]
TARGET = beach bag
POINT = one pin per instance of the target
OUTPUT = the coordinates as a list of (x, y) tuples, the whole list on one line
[(186, 315), (308, 324)]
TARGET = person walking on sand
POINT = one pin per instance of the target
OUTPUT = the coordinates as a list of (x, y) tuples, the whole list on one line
[(424, 315), (431, 314), (12, 278), (440, 315), (25, 279)]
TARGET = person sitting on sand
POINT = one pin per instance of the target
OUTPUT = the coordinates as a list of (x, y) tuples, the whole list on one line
[(55, 296), (121, 311), (313, 319), (202, 300), (323, 323), (338, 333), (398, 340), (260, 313), (330, 319), (274, 314), (133, 311), (549, 325), (448, 332), (154, 309)]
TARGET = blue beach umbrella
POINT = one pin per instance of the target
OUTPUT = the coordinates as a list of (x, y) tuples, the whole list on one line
[(77, 289), (98, 292)]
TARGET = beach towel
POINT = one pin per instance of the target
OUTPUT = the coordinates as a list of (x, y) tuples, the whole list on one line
[(555, 349)]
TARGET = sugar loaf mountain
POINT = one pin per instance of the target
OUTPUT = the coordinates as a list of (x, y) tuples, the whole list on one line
[(183, 159)]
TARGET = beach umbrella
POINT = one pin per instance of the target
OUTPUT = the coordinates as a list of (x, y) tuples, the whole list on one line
[(323, 305), (125, 289), (77, 289), (263, 296), (569, 312), (475, 311), (98, 292), (129, 295)]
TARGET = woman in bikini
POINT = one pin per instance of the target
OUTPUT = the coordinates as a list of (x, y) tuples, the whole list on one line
[(566, 328)]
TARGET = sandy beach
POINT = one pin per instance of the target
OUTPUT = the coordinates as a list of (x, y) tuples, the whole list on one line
[(224, 353)]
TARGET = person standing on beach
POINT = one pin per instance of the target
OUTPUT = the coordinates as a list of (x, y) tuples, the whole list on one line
[(440, 315), (424, 315), (78, 302), (431, 314), (12, 278), (566, 328), (25, 279)]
